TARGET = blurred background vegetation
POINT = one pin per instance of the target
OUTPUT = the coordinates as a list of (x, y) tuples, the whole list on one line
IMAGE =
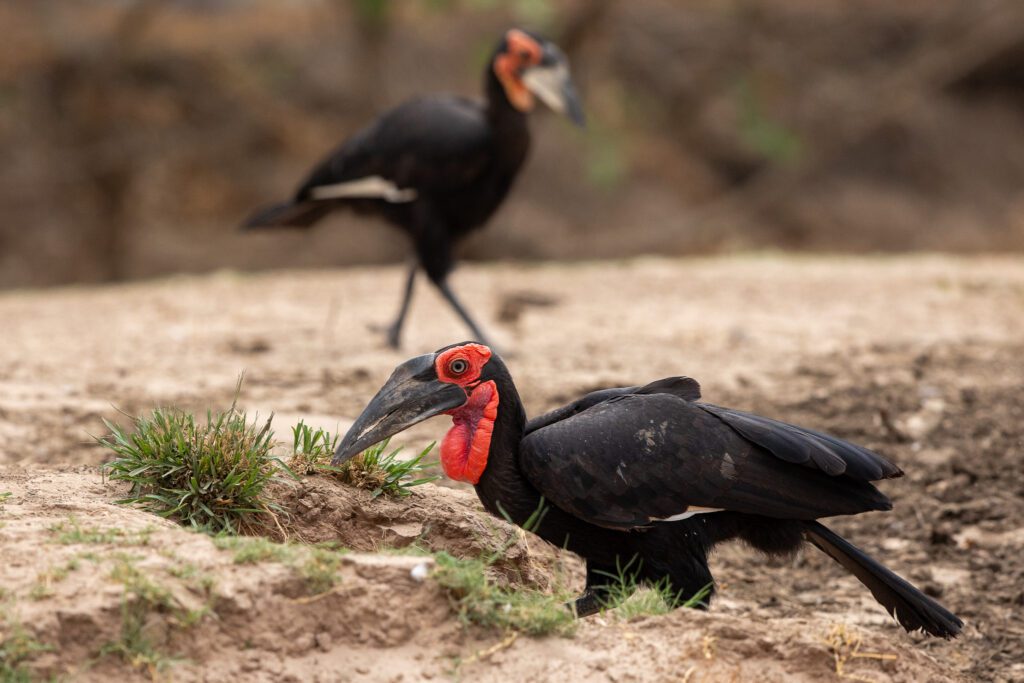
[(135, 135)]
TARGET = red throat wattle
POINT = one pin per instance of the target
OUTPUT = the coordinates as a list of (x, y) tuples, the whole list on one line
[(466, 445)]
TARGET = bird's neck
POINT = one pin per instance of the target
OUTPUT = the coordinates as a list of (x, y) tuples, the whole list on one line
[(508, 122), (502, 488)]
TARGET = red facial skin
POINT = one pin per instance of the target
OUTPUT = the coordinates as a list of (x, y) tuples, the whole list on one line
[(521, 52), (465, 447)]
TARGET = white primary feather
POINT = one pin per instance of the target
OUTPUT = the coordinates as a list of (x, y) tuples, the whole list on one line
[(690, 512), (370, 187)]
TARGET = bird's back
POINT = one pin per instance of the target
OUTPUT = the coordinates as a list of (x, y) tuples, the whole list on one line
[(428, 144)]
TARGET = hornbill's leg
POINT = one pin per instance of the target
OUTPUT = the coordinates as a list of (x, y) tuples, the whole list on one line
[(692, 583), (434, 248), (395, 329), (449, 295), (603, 583)]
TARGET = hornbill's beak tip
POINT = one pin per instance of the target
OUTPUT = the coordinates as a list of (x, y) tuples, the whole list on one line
[(410, 396), (574, 110)]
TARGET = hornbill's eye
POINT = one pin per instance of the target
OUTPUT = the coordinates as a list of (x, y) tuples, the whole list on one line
[(524, 55), (458, 366)]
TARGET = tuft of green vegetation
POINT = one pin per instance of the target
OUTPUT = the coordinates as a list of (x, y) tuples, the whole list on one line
[(476, 599), (767, 137), (253, 550), (143, 597), (184, 570), (45, 581), (4, 495), (71, 532), (40, 591), (320, 570), (628, 600), (17, 648), (209, 476), (316, 564), (386, 474), (312, 449)]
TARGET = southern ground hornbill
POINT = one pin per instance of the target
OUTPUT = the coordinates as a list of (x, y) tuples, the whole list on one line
[(645, 478), (437, 167)]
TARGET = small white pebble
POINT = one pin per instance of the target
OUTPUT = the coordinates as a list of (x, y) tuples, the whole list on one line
[(419, 572)]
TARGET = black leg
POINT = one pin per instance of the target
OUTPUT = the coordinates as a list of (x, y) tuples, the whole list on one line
[(449, 295), (601, 582), (395, 329), (694, 585)]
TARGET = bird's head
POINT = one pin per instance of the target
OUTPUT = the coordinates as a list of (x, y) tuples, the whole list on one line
[(528, 66), (458, 380)]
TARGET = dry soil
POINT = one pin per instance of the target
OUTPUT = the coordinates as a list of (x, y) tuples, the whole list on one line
[(919, 358)]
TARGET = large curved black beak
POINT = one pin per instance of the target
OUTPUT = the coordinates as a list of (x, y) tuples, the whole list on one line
[(551, 82), (411, 395)]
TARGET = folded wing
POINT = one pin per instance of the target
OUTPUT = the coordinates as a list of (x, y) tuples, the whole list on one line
[(636, 458)]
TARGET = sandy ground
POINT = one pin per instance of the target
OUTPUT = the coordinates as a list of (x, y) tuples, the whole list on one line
[(920, 358)]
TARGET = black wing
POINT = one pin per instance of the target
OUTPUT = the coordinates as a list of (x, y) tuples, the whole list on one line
[(638, 458), (427, 144), (685, 388), (806, 446)]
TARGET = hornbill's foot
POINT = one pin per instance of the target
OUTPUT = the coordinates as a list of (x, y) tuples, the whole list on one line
[(585, 605), (391, 333)]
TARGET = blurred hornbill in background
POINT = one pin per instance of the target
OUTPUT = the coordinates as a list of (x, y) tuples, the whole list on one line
[(645, 478), (438, 167)]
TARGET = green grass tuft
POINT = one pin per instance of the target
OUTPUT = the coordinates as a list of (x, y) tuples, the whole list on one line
[(386, 474), (312, 450), (320, 570), (45, 580), (316, 564), (70, 532), (254, 550), (627, 600), (476, 599), (143, 597), (209, 476), (17, 648)]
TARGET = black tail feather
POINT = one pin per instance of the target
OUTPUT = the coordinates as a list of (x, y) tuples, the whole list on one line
[(287, 215), (911, 608)]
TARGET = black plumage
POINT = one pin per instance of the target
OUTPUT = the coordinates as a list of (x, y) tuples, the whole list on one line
[(437, 167), (648, 479)]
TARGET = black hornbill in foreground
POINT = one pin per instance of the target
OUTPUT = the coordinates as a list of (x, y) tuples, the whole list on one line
[(646, 478), (437, 167)]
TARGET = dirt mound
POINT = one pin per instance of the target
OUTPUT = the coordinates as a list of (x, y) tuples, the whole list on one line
[(106, 592), (320, 510), (109, 591)]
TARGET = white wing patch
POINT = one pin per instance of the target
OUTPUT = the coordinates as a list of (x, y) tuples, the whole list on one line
[(690, 512), (370, 187)]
